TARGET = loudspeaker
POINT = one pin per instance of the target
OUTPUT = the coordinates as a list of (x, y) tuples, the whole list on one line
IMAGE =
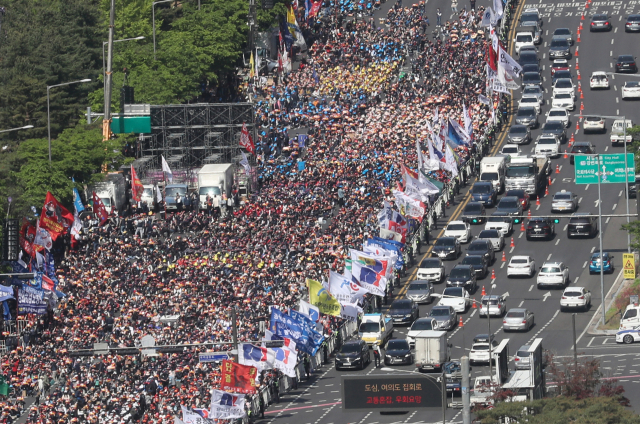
[(11, 242), (126, 95)]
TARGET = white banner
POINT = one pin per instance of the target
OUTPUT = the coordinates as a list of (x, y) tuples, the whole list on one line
[(191, 417), (285, 360), (488, 18), (345, 290), (390, 235), (312, 311), (369, 279), (509, 64), (226, 405), (350, 311), (409, 206)]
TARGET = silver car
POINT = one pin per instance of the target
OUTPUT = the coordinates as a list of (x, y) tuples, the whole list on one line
[(522, 358), (445, 317), (518, 319), (420, 291), (494, 236), (564, 201), (493, 305)]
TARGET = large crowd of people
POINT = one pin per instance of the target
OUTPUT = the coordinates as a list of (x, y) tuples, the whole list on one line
[(363, 115)]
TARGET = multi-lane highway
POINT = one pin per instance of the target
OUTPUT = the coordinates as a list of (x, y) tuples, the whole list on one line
[(319, 400)]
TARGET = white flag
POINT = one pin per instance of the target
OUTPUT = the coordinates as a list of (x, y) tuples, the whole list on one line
[(410, 206), (158, 195), (312, 311), (256, 356), (487, 17), (345, 290), (508, 63), (43, 237), (245, 163), (226, 406), (76, 227), (497, 6), (452, 166), (350, 311), (285, 360), (484, 99), (432, 164), (468, 122), (368, 278), (166, 169)]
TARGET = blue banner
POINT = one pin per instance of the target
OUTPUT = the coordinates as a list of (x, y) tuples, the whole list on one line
[(388, 245), (77, 201), (30, 303), (315, 338)]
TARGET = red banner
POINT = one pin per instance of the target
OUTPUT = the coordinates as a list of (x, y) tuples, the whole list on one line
[(246, 141), (55, 218), (27, 236), (136, 185), (99, 209), (238, 378)]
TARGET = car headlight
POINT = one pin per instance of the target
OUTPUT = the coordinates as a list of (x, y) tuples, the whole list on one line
[(407, 315), (407, 355)]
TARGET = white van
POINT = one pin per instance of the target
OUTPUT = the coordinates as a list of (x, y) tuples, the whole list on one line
[(523, 39), (630, 318)]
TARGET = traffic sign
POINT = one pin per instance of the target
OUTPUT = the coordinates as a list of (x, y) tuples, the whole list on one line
[(629, 263), (390, 392), (611, 168), (213, 356)]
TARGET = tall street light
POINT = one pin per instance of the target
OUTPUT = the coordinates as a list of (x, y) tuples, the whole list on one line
[(104, 43), (432, 379), (153, 18), (49, 87), (26, 127)]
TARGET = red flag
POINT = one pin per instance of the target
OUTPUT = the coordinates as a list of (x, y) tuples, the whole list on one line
[(47, 283), (238, 378), (315, 8), (99, 209), (136, 185), (27, 236), (55, 218), (246, 141)]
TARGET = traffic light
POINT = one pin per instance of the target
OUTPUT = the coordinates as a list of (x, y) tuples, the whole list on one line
[(516, 221), (10, 242), (475, 220), (556, 220)]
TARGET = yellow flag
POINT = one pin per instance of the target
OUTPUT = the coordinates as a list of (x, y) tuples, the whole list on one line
[(320, 297), (252, 67), (292, 23)]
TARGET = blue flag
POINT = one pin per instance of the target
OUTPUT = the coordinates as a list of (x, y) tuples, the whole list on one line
[(77, 201)]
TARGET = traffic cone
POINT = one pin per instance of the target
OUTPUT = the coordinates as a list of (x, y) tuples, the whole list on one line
[(581, 95), (557, 169), (493, 275), (484, 293), (577, 65), (537, 202), (580, 25), (578, 54), (461, 324), (474, 306), (546, 191), (581, 106), (579, 77), (582, 18), (578, 122), (572, 140), (528, 215), (578, 40), (513, 242), (550, 180), (586, 6), (565, 156), (522, 223), (504, 256)]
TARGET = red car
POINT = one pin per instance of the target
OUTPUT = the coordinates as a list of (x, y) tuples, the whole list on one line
[(559, 65), (522, 195)]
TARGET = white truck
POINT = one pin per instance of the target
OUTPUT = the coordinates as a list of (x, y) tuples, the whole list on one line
[(432, 350), (112, 192), (375, 329), (528, 174), (618, 131), (493, 169), (483, 390), (149, 196), (214, 179)]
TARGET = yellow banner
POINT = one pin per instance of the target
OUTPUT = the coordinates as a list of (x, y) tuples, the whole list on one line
[(320, 297), (629, 264)]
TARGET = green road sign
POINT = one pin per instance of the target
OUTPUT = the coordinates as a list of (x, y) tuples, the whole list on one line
[(611, 168)]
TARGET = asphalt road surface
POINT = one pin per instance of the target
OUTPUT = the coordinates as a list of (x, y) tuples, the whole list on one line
[(319, 400)]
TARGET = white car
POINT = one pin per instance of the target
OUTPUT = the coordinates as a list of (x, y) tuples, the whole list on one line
[(530, 101), (494, 305), (511, 150), (494, 236), (553, 274), (564, 100), (575, 297), (421, 324), (547, 145), (431, 269), (628, 336), (599, 79), (521, 265), (460, 230), (558, 114), (523, 39), (564, 85), (456, 297), (504, 224), (631, 90), (480, 352), (593, 124)]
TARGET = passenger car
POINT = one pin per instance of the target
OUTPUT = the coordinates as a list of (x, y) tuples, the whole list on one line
[(459, 229), (511, 206), (632, 24), (531, 14), (561, 74), (547, 145), (559, 48), (479, 263), (421, 324), (553, 273), (530, 101), (431, 269), (446, 248), (494, 236), (522, 358), (397, 352), (558, 114), (522, 196), (626, 63), (493, 305), (528, 57), (630, 90), (521, 265), (563, 33), (564, 85), (594, 263), (463, 276), (564, 100), (519, 134), (600, 22), (599, 79), (474, 213), (564, 201), (523, 39), (582, 224), (539, 227), (555, 128), (575, 297), (482, 247), (484, 192), (594, 123), (403, 311), (559, 65), (353, 354), (456, 297), (536, 92), (527, 116), (628, 336), (512, 150), (420, 291), (531, 78), (499, 221), (581, 147), (518, 319), (480, 350), (445, 317)]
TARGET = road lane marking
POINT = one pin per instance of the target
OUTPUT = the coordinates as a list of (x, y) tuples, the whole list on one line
[(587, 187), (301, 407), (576, 280), (580, 200), (511, 250), (612, 40), (520, 304), (614, 206), (617, 100), (521, 234), (611, 52), (620, 194), (585, 264), (557, 241), (532, 286), (615, 30), (565, 227), (365, 417), (502, 266), (615, 87), (606, 148), (549, 257), (593, 249), (607, 221), (538, 207)]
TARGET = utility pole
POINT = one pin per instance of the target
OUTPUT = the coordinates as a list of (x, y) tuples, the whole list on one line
[(252, 25), (466, 393), (106, 121)]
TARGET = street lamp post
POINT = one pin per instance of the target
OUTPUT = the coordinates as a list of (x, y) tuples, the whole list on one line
[(153, 19), (26, 127), (104, 43), (432, 379), (49, 87)]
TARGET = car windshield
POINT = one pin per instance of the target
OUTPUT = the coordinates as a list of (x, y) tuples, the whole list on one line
[(528, 17), (487, 176), (562, 196), (564, 83), (529, 100), (480, 346), (593, 118), (572, 294), (422, 324), (510, 149), (563, 96), (598, 77), (148, 192), (401, 304), (490, 301), (508, 204), (453, 291), (477, 247), (562, 74), (559, 42), (515, 314), (520, 171), (519, 261), (351, 347), (524, 38), (516, 193), (497, 218), (600, 17), (489, 233), (212, 191), (430, 263), (632, 84), (531, 76), (106, 202), (474, 208), (550, 269), (473, 260), (579, 221), (397, 345), (557, 113), (562, 31), (445, 242), (526, 111), (172, 191), (528, 57), (369, 327), (523, 353), (547, 141), (531, 90), (482, 188), (456, 227), (625, 58), (518, 130), (418, 286), (552, 127), (634, 18), (459, 273), (439, 312)]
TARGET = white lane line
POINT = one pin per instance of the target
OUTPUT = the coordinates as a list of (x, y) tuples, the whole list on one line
[(580, 200), (545, 43), (549, 257), (493, 286), (585, 264), (612, 41), (565, 227), (587, 187), (576, 280), (606, 148), (620, 194), (473, 313), (615, 87), (617, 100), (611, 52), (620, 18), (560, 168), (538, 207), (365, 417), (546, 33), (615, 30), (502, 266), (614, 207), (520, 304), (511, 250), (557, 241), (521, 234), (607, 220), (593, 249), (532, 286), (544, 327)]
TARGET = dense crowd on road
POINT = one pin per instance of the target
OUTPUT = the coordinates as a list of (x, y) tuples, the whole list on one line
[(363, 117)]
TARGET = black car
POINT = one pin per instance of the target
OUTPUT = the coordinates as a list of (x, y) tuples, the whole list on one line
[(479, 263), (556, 128), (527, 116), (353, 354), (403, 311), (582, 224), (519, 134), (582, 147), (446, 248), (531, 67), (600, 22), (626, 63), (633, 188), (484, 192), (530, 16), (527, 58), (482, 248), (560, 48), (474, 213), (539, 227), (523, 196), (463, 276), (531, 78), (512, 206), (632, 24), (561, 74), (398, 352)]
